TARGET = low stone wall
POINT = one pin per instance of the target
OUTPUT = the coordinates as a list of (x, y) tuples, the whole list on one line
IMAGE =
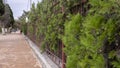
[(45, 61)]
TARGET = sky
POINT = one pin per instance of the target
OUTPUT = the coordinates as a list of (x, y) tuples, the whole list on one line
[(18, 6)]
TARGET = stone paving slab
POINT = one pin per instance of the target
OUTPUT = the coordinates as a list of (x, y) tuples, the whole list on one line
[(15, 52)]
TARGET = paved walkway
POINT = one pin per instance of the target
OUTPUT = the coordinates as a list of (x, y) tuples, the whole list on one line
[(15, 52)]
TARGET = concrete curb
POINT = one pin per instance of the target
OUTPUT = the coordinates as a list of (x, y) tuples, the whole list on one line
[(45, 61)]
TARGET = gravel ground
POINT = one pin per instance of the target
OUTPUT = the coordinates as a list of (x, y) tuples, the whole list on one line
[(15, 52)]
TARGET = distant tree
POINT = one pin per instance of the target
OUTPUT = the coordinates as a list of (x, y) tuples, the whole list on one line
[(7, 19), (1, 7), (21, 23)]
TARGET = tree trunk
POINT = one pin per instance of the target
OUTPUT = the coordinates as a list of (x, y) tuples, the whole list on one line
[(3, 30)]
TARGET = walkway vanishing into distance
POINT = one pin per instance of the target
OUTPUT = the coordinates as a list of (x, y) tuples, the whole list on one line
[(15, 52)]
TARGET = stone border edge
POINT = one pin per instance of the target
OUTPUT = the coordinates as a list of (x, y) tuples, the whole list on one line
[(44, 63)]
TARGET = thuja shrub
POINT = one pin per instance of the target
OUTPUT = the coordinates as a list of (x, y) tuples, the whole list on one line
[(90, 41)]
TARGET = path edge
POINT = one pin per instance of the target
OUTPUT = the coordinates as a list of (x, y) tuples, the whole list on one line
[(44, 60)]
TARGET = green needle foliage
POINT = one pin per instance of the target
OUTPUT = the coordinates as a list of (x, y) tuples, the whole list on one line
[(90, 41)]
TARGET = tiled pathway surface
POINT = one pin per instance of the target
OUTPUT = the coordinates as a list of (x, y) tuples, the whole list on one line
[(15, 52)]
